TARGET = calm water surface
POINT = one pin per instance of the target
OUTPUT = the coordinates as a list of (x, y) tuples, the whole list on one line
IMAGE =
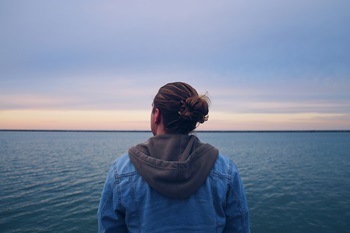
[(294, 182)]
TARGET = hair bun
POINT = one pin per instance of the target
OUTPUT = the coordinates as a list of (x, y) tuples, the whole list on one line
[(181, 108), (194, 109)]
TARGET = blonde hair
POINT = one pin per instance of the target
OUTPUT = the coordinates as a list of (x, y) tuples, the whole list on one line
[(181, 108)]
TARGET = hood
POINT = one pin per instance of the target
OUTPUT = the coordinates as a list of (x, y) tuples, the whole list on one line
[(175, 165)]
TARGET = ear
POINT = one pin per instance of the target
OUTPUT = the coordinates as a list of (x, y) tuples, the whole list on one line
[(157, 116)]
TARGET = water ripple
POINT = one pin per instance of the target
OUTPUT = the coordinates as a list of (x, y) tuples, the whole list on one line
[(296, 182)]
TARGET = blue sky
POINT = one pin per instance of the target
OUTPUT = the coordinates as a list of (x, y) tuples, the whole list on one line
[(97, 64)]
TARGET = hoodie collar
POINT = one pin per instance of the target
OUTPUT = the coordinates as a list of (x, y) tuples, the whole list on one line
[(175, 165)]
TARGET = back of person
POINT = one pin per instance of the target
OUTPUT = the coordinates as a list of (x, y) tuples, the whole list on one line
[(173, 183)]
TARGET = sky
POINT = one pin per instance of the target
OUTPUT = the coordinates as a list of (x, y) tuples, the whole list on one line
[(96, 65)]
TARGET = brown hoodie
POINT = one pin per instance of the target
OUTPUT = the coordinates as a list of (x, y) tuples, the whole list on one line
[(175, 165)]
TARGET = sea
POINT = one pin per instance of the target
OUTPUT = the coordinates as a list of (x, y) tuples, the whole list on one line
[(295, 182)]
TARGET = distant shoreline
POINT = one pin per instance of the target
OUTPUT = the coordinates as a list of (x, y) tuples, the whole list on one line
[(198, 131)]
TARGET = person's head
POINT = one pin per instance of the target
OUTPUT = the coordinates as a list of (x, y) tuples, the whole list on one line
[(178, 109)]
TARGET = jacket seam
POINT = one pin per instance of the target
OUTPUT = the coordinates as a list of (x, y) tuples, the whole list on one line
[(118, 189), (109, 199), (236, 196), (124, 175)]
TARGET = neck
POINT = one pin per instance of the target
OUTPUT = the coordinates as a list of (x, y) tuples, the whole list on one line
[(159, 130)]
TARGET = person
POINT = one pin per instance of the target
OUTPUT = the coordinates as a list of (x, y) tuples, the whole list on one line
[(174, 182)]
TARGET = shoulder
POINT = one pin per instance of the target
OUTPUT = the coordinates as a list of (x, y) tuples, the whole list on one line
[(225, 164), (226, 169), (122, 166)]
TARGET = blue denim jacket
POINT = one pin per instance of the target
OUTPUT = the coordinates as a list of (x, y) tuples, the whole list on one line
[(129, 204)]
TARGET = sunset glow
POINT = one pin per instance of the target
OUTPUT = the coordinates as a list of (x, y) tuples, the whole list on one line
[(266, 65)]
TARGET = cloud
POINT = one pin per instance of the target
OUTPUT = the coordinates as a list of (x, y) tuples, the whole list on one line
[(75, 119), (226, 35), (129, 91), (276, 121), (253, 57)]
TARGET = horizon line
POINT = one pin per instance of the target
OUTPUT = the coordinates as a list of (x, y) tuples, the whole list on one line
[(199, 131)]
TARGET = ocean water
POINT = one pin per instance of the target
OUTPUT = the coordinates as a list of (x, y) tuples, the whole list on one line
[(295, 182)]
